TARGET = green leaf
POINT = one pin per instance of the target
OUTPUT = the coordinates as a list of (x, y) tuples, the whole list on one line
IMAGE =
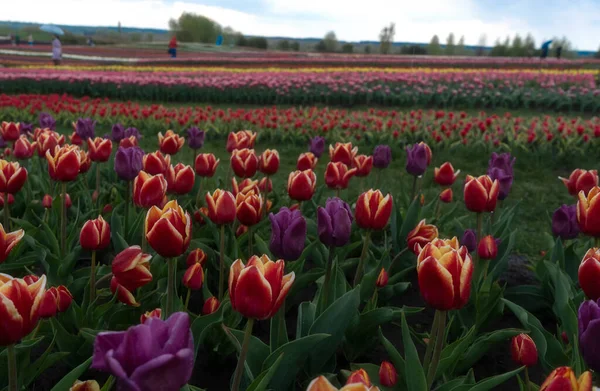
[(257, 350), (482, 345), (491, 382), (306, 318), (394, 356), (72, 376), (262, 381), (278, 329), (202, 324), (416, 381), (410, 220)]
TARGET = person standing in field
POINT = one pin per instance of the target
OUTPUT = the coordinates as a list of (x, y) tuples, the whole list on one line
[(56, 50), (30, 39), (173, 47)]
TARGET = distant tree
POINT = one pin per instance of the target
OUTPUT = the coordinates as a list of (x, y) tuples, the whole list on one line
[(450, 48), (119, 27), (240, 40), (460, 47), (499, 49), (368, 49), (434, 47), (258, 42), (295, 46), (597, 55), (506, 44), (481, 44), (529, 45), (386, 38), (149, 37), (195, 28), (347, 48), (568, 51), (135, 37), (283, 45), (228, 36), (330, 41), (321, 46), (517, 49), (413, 50)]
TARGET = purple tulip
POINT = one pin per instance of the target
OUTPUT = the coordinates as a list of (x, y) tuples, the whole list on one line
[(26, 129), (288, 234), (47, 121), (382, 156), (195, 139), (132, 132), (156, 355), (503, 161), (564, 222), (3, 143), (469, 240), (117, 132), (589, 333), (84, 127), (128, 162), (317, 146), (500, 168), (334, 223), (416, 159)]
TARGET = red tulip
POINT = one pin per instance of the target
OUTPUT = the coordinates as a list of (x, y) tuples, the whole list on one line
[(240, 140), (23, 149), (481, 194), (193, 277), (48, 141), (155, 313), (12, 177), (68, 202), (221, 207), (196, 256), (306, 161), (249, 208), (55, 300), (210, 306), (588, 212), (156, 163), (382, 279), (589, 273), (446, 196), (242, 229), (342, 152), (523, 350), (487, 248), (8, 241), (363, 165), (199, 215), (124, 295), (95, 234), (421, 235), (149, 190), (99, 149), (581, 180), (373, 210), (64, 163), (244, 162), (360, 376), (563, 379), (131, 268), (65, 298), (388, 377), (84, 162), (301, 185), (337, 175), (128, 142), (269, 162), (445, 174), (10, 131), (169, 230), (75, 139), (31, 279), (47, 201), (265, 185), (180, 179), (206, 164), (170, 143)]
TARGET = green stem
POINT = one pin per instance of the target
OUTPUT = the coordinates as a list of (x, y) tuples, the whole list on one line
[(187, 298), (265, 198), (437, 350), (199, 195), (144, 239), (222, 264), (414, 188), (430, 345), (63, 219), (171, 285), (93, 278), (109, 383), (479, 227), (127, 202), (239, 369), (337, 192), (527, 381), (325, 288), (361, 264), (12, 368), (250, 242), (6, 213), (396, 258), (98, 185)]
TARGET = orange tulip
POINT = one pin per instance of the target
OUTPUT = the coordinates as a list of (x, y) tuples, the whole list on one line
[(8, 241), (128, 142), (64, 163), (481, 194), (301, 185), (337, 175), (244, 186), (99, 149), (445, 276), (193, 277), (12, 177), (249, 208), (155, 313), (170, 143), (131, 268), (421, 235), (258, 289), (322, 384), (240, 140), (244, 162), (95, 234), (382, 279), (446, 196), (589, 273), (47, 141), (169, 230), (10, 131), (581, 180), (359, 376), (306, 161), (373, 210), (342, 152), (221, 207), (156, 163), (445, 174), (23, 149), (523, 350), (206, 164), (210, 306), (149, 190), (563, 379), (363, 165), (88, 385), (269, 162), (180, 179), (388, 376), (487, 248), (196, 256), (588, 212), (19, 307)]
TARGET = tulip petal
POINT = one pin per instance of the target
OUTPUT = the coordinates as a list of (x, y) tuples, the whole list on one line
[(234, 274), (105, 342), (321, 384), (253, 295), (165, 239), (435, 283)]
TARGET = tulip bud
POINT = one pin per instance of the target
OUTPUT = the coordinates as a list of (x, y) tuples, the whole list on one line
[(156, 163), (589, 273), (210, 306), (317, 146), (242, 229), (388, 377), (288, 234), (382, 156), (47, 201), (565, 337), (107, 209), (10, 130), (99, 149), (7, 242), (587, 215), (131, 268), (363, 165), (382, 279), (373, 210), (421, 235), (301, 185), (221, 207), (168, 230), (523, 350), (23, 149), (342, 152), (337, 175), (306, 161), (68, 202), (3, 196), (445, 175), (269, 162), (49, 304), (359, 376), (265, 185), (581, 180), (249, 208), (124, 295), (195, 138), (469, 240), (84, 162), (334, 223), (196, 256), (244, 162), (155, 313), (89, 385), (95, 234), (481, 194), (128, 142), (487, 248), (170, 143), (418, 158), (193, 277), (240, 140), (198, 215), (446, 196), (564, 222), (563, 378)]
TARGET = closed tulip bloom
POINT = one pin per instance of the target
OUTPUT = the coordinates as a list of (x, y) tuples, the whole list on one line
[(359, 376), (10, 131), (322, 384), (128, 162), (382, 279), (445, 174), (242, 229), (265, 185), (68, 202), (11, 199), (85, 128), (288, 234), (240, 140), (245, 186), (47, 141), (199, 215), (63, 163), (75, 139), (210, 306), (128, 142), (195, 138), (342, 152), (169, 230), (373, 210), (88, 385), (206, 164), (563, 379), (30, 279), (337, 175), (269, 162), (193, 277), (588, 212), (55, 299), (19, 307), (481, 194), (523, 350), (23, 149), (487, 248), (363, 165), (47, 121), (444, 276), (469, 240), (317, 146), (382, 156), (180, 179), (149, 190), (65, 298), (589, 331), (8, 241), (84, 162), (221, 207), (504, 179), (249, 208), (418, 158), (388, 376), (170, 143), (334, 223), (131, 268), (564, 222), (156, 163), (446, 196), (95, 234), (196, 256), (12, 177), (155, 313), (589, 273), (258, 289), (165, 362), (306, 161), (301, 185), (244, 162), (47, 201), (421, 235), (581, 180), (124, 295), (117, 132)]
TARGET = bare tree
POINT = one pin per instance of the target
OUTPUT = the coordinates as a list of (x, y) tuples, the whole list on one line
[(386, 38)]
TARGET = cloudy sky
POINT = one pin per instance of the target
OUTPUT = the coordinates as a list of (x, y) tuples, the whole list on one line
[(353, 20)]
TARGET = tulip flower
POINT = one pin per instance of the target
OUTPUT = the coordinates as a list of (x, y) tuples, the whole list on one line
[(12, 177), (46, 121), (446, 196), (123, 294), (342, 152), (149, 190), (244, 162), (180, 179), (55, 300), (3, 196), (334, 223), (373, 210), (166, 361), (117, 132), (63, 163), (99, 149), (11, 131), (196, 256), (322, 384), (131, 268), (156, 163), (564, 222), (128, 162), (418, 158), (155, 313), (306, 161), (523, 350), (84, 128), (245, 186), (84, 162), (95, 234), (505, 180), (360, 376), (588, 212), (487, 248), (481, 194), (199, 215), (382, 156), (244, 139), (88, 385), (170, 143), (445, 174), (581, 180), (288, 234), (316, 147), (589, 322), (221, 207), (337, 175), (68, 202), (132, 132), (269, 162), (301, 185), (129, 142), (210, 306), (47, 141), (388, 376), (382, 279), (363, 165), (469, 240), (249, 208), (193, 278), (589, 272), (168, 230), (8, 241), (265, 185), (195, 138), (47, 201), (563, 378), (206, 164), (421, 235), (23, 149)]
